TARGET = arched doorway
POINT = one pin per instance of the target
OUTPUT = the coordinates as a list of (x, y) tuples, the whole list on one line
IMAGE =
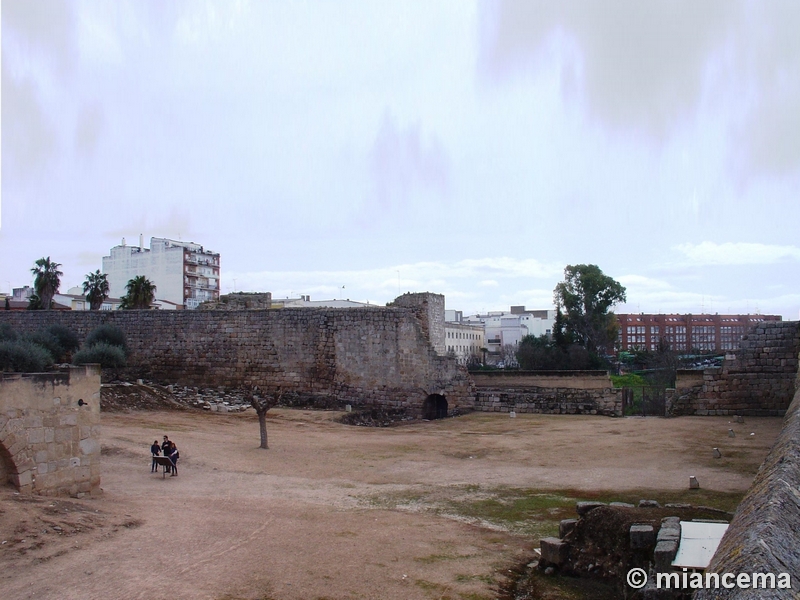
[(6, 466), (434, 407)]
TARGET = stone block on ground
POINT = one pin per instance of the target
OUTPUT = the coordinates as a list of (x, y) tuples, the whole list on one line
[(622, 505), (554, 550), (566, 526), (693, 483), (649, 504), (664, 554), (642, 537)]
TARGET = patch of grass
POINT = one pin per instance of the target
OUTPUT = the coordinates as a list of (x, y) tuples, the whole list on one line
[(524, 511), (430, 586), (432, 558), (463, 578), (628, 380)]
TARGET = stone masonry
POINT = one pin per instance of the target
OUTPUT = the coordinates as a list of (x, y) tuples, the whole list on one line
[(49, 425), (547, 392), (763, 536), (360, 356), (758, 381), (430, 312)]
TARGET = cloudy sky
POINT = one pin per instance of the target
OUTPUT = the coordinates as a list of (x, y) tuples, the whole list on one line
[(472, 149)]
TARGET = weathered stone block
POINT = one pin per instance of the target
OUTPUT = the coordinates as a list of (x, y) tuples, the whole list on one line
[(642, 537), (664, 554), (566, 526), (554, 550)]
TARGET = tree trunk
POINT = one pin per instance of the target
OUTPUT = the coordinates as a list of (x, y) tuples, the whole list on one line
[(262, 423)]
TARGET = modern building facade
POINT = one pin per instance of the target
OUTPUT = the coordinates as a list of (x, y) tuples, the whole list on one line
[(686, 333), (185, 273), (464, 341), (508, 328)]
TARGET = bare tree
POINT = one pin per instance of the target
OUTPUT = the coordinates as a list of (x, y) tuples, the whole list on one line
[(262, 403)]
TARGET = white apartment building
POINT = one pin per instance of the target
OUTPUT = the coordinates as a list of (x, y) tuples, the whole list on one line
[(508, 328), (464, 340), (185, 274)]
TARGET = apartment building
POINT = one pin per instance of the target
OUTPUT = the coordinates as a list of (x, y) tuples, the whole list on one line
[(185, 273)]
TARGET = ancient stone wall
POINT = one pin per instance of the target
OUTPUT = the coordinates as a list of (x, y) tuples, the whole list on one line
[(764, 536), (759, 380), (364, 357), (430, 312), (49, 425), (576, 380), (543, 400)]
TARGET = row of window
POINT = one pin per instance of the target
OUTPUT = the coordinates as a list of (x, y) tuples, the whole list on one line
[(463, 335)]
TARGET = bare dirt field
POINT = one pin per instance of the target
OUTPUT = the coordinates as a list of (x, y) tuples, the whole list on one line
[(438, 509)]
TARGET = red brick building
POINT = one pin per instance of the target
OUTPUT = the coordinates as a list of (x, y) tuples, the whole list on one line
[(686, 333)]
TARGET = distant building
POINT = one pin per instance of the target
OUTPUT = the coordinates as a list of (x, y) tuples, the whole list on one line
[(464, 340), (686, 333), (185, 274), (508, 328)]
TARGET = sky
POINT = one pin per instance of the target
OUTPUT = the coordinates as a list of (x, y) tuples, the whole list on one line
[(364, 149)]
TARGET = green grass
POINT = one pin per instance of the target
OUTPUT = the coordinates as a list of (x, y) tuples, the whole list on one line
[(628, 380)]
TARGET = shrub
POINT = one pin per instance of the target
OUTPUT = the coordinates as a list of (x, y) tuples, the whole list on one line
[(7, 333), (107, 334), (47, 341), (23, 356), (65, 336), (102, 353)]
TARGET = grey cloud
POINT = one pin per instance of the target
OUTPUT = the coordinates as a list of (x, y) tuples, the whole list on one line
[(44, 25), (402, 162), (640, 63), (29, 138), (645, 66), (89, 126)]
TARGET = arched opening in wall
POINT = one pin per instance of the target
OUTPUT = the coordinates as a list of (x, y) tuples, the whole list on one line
[(434, 407), (6, 467)]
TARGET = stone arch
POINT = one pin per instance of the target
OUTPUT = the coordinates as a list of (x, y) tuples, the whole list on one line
[(434, 407), (7, 467)]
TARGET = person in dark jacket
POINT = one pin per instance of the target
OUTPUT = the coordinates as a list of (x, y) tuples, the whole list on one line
[(174, 455), (155, 450), (166, 445)]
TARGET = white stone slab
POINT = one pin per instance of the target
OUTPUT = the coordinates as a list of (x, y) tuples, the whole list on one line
[(699, 542)]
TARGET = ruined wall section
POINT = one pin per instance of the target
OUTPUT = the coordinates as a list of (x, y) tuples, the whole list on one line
[(429, 309), (551, 401), (49, 429), (758, 381), (357, 356), (763, 536)]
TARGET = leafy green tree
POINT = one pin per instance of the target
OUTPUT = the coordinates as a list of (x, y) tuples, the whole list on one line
[(586, 296), (96, 289), (141, 293), (47, 279)]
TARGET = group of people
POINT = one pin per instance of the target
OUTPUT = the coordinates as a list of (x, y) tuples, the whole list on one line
[(168, 449)]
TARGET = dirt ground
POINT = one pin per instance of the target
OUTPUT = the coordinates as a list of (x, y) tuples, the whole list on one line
[(332, 511)]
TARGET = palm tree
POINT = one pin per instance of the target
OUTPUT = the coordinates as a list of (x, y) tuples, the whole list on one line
[(141, 293), (46, 281), (96, 289)]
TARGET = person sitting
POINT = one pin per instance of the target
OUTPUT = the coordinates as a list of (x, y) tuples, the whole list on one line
[(155, 450)]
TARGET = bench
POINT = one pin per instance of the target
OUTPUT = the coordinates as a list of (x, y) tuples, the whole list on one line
[(165, 462)]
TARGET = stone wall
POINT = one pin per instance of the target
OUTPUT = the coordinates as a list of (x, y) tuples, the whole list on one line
[(575, 380), (758, 381), (547, 392), (49, 424), (764, 536), (564, 401), (364, 357), (430, 312)]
